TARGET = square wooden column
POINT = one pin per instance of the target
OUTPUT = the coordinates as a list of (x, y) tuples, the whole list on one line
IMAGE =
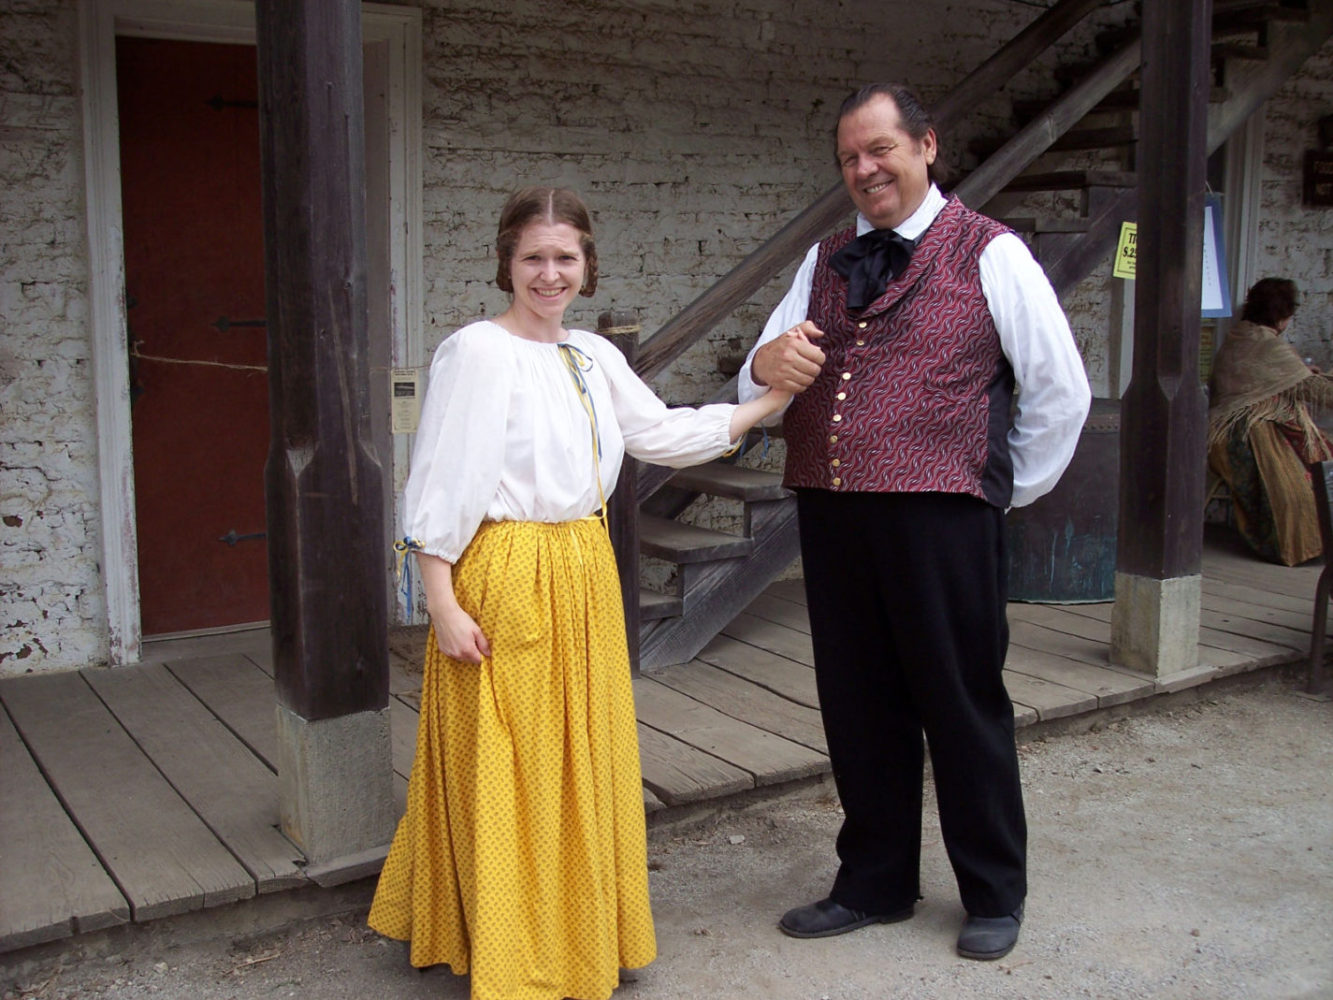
[(323, 479), (1155, 625)]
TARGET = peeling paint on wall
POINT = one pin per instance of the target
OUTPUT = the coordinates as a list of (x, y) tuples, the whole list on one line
[(694, 130)]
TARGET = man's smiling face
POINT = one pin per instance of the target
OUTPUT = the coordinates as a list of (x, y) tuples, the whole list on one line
[(886, 171)]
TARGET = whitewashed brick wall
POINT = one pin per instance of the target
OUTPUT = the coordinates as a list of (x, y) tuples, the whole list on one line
[(51, 599), (1296, 241), (694, 129)]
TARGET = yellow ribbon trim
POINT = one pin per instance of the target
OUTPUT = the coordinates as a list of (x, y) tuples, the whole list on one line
[(575, 361)]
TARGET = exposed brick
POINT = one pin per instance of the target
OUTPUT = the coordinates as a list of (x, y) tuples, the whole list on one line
[(695, 130)]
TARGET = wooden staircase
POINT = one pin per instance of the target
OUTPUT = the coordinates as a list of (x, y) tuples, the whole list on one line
[(717, 573), (1078, 147), (1257, 46)]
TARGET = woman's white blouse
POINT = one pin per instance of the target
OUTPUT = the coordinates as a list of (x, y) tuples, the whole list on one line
[(504, 435)]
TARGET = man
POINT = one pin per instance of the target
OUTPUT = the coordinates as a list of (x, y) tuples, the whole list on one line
[(938, 384)]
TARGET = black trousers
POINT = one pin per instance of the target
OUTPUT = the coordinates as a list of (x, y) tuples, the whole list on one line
[(907, 595)]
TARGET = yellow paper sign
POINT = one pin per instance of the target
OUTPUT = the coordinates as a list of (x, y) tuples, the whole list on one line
[(1126, 250)]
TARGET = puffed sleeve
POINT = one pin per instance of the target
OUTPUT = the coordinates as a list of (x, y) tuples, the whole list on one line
[(674, 436), (459, 452)]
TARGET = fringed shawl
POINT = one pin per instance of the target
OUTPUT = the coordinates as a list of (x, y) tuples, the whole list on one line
[(1259, 376)]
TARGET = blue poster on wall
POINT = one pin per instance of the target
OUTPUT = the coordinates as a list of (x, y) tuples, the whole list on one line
[(1216, 289)]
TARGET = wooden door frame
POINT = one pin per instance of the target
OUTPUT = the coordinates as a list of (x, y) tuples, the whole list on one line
[(226, 21)]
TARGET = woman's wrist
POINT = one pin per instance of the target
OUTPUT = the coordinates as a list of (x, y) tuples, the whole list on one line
[(441, 609)]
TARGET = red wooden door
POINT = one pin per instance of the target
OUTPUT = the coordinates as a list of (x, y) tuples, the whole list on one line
[(194, 267)]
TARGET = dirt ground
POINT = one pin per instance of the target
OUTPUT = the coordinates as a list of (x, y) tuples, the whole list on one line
[(1182, 853)]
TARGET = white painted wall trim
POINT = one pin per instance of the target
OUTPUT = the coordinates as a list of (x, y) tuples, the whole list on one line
[(106, 312), (401, 29), (1120, 337), (1242, 199), (1242, 203), (228, 21)]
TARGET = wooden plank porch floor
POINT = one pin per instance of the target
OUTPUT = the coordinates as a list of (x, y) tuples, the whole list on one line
[(137, 793)]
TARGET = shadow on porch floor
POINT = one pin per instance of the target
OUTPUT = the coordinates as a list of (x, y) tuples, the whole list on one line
[(143, 792)]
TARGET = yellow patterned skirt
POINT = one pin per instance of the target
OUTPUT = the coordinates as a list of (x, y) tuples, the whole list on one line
[(522, 857)]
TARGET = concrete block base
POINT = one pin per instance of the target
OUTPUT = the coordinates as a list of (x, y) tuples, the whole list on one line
[(1155, 624), (336, 781)]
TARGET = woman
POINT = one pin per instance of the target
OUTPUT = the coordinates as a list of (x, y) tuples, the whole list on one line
[(1261, 435), (522, 855)]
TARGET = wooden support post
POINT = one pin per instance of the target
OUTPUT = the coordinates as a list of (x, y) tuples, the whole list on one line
[(323, 479), (622, 329), (1155, 625)]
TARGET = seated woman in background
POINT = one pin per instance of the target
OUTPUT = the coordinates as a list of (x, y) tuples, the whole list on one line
[(1261, 433)]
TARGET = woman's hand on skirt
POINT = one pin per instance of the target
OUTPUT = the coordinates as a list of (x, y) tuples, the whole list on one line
[(458, 636)]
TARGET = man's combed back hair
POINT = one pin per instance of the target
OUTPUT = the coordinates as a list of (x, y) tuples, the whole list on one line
[(912, 116)]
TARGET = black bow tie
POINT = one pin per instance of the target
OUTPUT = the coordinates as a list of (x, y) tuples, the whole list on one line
[(870, 262)]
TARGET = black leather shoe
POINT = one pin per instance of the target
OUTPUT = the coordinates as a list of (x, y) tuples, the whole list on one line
[(827, 918), (987, 938)]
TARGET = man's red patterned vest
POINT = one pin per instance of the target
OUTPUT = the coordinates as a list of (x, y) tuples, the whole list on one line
[(915, 393)]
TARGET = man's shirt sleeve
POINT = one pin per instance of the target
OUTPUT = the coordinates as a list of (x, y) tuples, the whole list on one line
[(1051, 390), (793, 309)]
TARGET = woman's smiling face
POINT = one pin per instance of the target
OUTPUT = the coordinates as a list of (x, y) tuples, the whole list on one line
[(548, 268)]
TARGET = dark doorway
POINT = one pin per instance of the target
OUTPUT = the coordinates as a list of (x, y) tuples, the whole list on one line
[(194, 265)]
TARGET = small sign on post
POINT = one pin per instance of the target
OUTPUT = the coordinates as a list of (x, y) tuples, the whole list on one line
[(1126, 251), (404, 384), (1216, 293)]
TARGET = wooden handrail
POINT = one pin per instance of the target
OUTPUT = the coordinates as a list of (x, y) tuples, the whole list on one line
[(735, 287), (742, 281), (1036, 137), (1024, 47)]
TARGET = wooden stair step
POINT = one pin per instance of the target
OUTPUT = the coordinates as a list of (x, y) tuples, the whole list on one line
[(654, 606), (1109, 40), (1226, 6), (685, 543), (1128, 100), (1071, 74), (1079, 224), (1248, 13), (1123, 99), (1236, 50), (1110, 137), (1245, 16), (1117, 102), (736, 482), (1097, 138), (1067, 180)]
